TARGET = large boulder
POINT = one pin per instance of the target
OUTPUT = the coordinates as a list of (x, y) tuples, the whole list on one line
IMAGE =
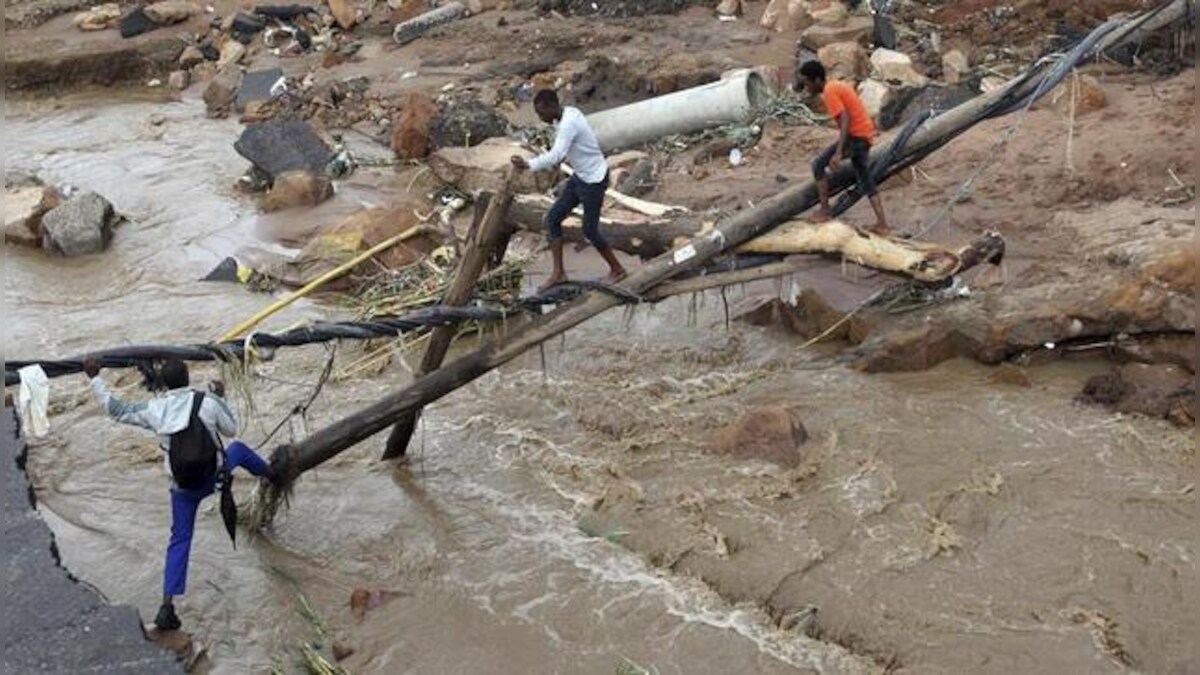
[(772, 433), (465, 124), (896, 67), (875, 96), (483, 167), (411, 128), (855, 29), (284, 144), (297, 188), (845, 60), (81, 225)]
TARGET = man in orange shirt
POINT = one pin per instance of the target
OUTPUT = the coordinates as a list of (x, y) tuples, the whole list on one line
[(855, 133)]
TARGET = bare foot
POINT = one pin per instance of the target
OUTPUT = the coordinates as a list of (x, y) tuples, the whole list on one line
[(880, 229), (615, 275), (820, 218), (554, 280)]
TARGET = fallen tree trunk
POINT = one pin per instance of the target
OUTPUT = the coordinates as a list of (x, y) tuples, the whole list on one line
[(636, 235), (483, 240), (328, 442)]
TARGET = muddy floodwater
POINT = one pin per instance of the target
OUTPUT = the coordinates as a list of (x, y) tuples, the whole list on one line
[(564, 514)]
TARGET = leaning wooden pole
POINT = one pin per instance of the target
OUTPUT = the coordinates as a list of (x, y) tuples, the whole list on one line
[(741, 227), (479, 250)]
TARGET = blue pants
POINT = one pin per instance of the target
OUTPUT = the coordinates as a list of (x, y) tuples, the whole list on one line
[(577, 192), (183, 515)]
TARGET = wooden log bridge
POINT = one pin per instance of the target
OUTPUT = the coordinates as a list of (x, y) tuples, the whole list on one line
[(723, 236)]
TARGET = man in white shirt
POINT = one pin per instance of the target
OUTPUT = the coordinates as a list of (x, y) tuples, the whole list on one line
[(576, 144), (168, 415)]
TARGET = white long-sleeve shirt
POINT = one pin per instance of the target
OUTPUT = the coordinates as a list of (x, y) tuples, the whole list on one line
[(576, 144), (168, 414)]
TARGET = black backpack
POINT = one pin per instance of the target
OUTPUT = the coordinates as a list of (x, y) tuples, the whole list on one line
[(192, 452)]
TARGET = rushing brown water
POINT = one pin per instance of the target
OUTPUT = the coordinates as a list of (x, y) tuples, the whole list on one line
[(563, 520)]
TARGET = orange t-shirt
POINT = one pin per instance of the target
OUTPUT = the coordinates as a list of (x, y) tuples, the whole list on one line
[(839, 96)]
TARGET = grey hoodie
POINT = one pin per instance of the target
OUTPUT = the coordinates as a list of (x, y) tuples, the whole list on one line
[(168, 414)]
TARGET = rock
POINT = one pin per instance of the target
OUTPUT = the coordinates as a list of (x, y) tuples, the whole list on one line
[(243, 27), (256, 86), (955, 66), (1176, 349), (481, 6), (191, 56), (772, 433), (991, 83), (297, 188), (411, 128), (729, 8), (1085, 90), (284, 144), (833, 14), (179, 79), (483, 167), (895, 67), (81, 225), (466, 124), (1162, 390), (168, 12), (135, 22), (811, 316), (885, 31), (24, 207), (1135, 275), (221, 91), (231, 53), (875, 96), (845, 60), (911, 101), (344, 13), (855, 29), (786, 15), (101, 17), (1007, 373), (639, 180)]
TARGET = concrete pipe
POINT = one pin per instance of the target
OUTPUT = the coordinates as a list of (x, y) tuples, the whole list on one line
[(723, 102), (412, 29)]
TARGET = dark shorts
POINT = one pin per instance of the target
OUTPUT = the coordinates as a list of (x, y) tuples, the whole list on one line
[(859, 152), (577, 192)]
